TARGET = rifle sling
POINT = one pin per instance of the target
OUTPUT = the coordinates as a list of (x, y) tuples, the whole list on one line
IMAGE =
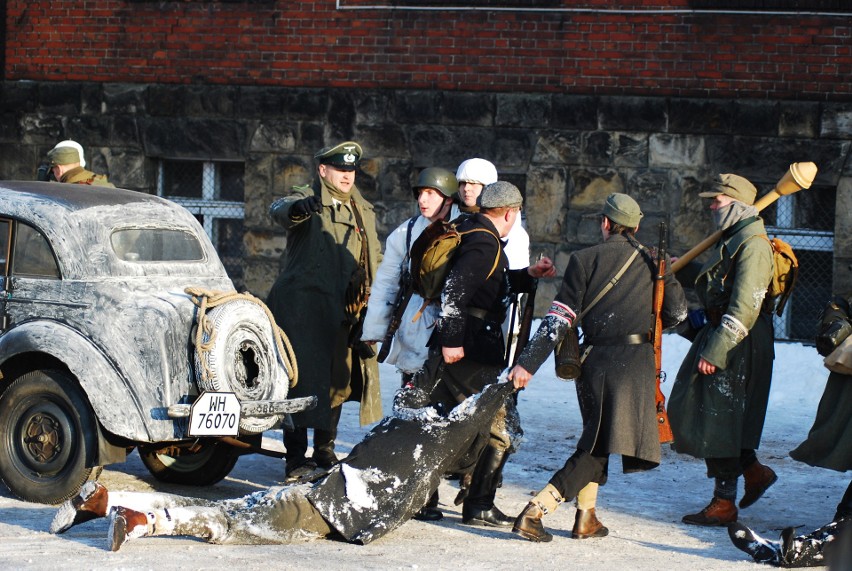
[(607, 287)]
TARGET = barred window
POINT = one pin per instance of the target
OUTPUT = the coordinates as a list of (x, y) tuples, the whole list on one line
[(805, 220), (213, 191)]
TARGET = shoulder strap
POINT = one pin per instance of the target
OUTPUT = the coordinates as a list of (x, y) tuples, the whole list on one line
[(411, 222), (499, 246), (365, 253), (407, 256), (610, 284)]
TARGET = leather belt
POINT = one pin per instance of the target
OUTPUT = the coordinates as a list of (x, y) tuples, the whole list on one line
[(484, 315), (477, 312), (634, 339)]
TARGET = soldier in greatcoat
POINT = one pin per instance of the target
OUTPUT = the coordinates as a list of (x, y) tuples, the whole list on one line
[(319, 298), (67, 165), (616, 388), (718, 402)]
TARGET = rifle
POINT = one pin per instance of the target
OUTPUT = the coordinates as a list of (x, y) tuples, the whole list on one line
[(403, 295), (663, 425), (526, 326)]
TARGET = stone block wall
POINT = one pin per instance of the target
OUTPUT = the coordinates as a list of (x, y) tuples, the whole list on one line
[(566, 152)]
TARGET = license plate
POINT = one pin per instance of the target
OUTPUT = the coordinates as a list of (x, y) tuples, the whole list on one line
[(215, 414)]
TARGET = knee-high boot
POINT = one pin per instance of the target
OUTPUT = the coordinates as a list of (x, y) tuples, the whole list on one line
[(479, 508), (209, 523)]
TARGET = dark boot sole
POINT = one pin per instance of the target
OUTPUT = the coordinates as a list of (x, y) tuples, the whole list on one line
[(484, 523), (532, 537), (600, 533), (708, 523)]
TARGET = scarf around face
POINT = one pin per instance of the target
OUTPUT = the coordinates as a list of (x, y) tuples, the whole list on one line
[(336, 193), (727, 216)]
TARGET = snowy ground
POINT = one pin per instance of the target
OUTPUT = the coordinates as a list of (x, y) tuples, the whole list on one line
[(643, 511)]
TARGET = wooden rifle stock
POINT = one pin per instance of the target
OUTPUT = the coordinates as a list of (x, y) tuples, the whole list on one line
[(663, 425), (797, 177)]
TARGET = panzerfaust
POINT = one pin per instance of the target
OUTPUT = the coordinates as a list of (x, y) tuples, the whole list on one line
[(797, 177)]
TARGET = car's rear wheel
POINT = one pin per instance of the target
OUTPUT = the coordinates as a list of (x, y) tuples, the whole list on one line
[(47, 430), (192, 467)]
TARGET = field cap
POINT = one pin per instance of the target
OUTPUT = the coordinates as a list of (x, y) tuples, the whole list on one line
[(732, 185), (344, 156), (63, 156), (500, 194), (622, 210), (76, 145)]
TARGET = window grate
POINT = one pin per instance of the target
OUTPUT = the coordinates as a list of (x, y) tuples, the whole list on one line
[(214, 192), (805, 220)]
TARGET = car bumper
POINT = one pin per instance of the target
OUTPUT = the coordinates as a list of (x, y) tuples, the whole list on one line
[(255, 408)]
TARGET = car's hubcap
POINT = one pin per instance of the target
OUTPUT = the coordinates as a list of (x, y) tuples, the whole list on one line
[(43, 438)]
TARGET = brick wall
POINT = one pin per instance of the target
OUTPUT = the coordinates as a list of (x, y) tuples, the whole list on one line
[(642, 47)]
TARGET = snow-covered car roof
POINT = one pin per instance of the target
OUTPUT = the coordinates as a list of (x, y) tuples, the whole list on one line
[(100, 232)]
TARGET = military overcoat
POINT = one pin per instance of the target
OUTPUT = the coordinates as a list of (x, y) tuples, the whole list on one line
[(829, 442), (79, 175), (308, 302), (718, 415), (617, 386)]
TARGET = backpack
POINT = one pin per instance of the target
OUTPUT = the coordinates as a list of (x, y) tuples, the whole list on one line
[(432, 255), (785, 273)]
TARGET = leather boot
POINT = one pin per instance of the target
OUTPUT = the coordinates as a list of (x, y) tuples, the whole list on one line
[(758, 478), (430, 512), (90, 503), (586, 525), (528, 523), (324, 455), (718, 512), (464, 488), (479, 508), (126, 524)]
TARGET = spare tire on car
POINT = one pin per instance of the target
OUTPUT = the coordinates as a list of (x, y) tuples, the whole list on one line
[(238, 353)]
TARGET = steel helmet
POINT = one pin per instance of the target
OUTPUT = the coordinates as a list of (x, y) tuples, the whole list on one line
[(478, 171), (440, 179)]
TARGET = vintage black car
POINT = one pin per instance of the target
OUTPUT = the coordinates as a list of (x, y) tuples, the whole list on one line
[(99, 349)]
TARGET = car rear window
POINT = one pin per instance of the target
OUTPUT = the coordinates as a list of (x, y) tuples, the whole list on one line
[(156, 245)]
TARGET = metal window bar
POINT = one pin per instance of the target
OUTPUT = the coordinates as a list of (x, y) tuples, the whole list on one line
[(214, 193)]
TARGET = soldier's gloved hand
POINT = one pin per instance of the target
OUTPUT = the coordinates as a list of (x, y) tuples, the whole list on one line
[(831, 336), (303, 208)]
